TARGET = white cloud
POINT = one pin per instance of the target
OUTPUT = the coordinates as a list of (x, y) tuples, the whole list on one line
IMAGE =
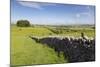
[(78, 15), (32, 4), (87, 14)]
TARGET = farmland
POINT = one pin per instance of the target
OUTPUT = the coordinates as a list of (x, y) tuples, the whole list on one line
[(25, 51)]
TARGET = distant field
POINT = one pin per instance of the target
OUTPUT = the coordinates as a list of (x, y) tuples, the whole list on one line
[(25, 51)]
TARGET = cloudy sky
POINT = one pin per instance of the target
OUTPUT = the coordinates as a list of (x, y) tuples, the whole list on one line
[(51, 13)]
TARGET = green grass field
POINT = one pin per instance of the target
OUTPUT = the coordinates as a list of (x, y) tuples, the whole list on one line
[(25, 51)]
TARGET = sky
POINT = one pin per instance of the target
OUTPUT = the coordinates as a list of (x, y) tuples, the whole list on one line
[(52, 13)]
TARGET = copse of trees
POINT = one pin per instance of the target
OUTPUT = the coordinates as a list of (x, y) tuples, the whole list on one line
[(23, 23)]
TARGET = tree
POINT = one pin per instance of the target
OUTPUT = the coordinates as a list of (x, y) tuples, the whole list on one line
[(23, 23)]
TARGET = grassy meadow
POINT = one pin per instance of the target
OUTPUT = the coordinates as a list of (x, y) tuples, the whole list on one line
[(25, 51)]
